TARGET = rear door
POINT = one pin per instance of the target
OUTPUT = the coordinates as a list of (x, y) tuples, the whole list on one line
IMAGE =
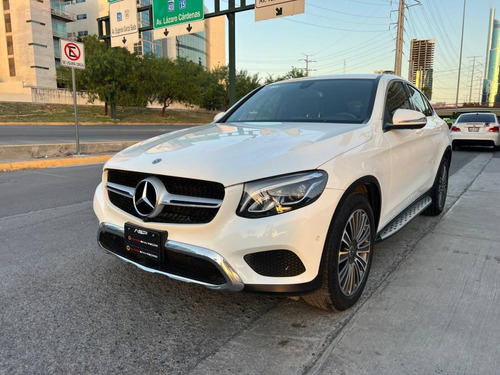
[(430, 137)]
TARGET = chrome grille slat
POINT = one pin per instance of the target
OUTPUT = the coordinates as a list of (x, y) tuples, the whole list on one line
[(201, 207), (126, 191)]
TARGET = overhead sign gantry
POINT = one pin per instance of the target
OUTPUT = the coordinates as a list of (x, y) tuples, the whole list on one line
[(178, 17)]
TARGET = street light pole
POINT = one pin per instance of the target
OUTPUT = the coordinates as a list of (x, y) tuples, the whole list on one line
[(460, 58)]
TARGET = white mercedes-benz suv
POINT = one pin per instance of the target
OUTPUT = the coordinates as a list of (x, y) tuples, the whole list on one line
[(286, 192)]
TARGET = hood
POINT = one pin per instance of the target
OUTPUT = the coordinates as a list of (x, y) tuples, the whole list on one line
[(233, 153)]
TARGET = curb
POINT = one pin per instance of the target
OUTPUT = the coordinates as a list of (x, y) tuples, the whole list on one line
[(100, 123), (50, 163), (29, 151)]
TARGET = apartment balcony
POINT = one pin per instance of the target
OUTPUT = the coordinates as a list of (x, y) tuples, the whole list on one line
[(58, 11), (56, 33)]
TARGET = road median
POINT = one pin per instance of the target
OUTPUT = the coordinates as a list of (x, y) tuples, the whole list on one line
[(35, 156)]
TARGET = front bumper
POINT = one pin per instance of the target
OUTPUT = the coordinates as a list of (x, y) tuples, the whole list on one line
[(218, 273), (222, 246)]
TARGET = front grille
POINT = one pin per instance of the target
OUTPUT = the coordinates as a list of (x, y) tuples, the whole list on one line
[(275, 263), (174, 263), (174, 185)]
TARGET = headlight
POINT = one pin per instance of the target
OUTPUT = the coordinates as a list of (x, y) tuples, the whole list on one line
[(278, 195)]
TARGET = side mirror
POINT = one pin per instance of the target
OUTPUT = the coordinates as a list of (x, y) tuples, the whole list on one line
[(218, 116), (408, 119)]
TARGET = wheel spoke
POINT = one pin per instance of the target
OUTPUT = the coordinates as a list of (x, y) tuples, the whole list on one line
[(357, 277), (344, 277), (361, 263), (346, 239), (343, 256), (361, 227), (365, 236), (351, 280), (350, 228)]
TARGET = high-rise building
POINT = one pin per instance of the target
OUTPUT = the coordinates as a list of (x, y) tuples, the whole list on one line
[(207, 49), (29, 43), (86, 14), (491, 91), (421, 67)]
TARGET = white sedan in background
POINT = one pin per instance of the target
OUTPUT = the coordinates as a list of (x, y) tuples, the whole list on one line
[(476, 129), (286, 192)]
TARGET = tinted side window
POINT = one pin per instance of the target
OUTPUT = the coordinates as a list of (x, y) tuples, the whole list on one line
[(419, 102), (397, 97), (428, 106)]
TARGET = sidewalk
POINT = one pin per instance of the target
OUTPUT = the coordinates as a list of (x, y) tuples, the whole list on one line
[(438, 312)]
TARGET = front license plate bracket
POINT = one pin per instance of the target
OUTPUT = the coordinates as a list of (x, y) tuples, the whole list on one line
[(145, 242)]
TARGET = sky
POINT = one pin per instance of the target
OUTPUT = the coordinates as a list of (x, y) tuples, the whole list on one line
[(359, 36)]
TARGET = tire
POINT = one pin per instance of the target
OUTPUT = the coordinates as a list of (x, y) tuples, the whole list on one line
[(439, 189), (346, 262)]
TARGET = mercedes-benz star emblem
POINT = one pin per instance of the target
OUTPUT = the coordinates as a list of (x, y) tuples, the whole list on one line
[(147, 197)]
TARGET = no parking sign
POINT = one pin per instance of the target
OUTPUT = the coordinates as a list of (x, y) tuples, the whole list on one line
[(72, 54)]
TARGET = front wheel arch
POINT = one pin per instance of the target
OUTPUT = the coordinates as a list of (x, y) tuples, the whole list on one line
[(370, 188)]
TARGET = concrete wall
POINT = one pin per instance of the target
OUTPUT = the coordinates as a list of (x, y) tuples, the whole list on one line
[(59, 96), (14, 92)]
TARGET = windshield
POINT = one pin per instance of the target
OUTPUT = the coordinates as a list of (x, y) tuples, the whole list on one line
[(477, 117), (333, 100)]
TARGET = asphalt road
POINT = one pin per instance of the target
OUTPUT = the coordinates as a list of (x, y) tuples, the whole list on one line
[(68, 308), (41, 134)]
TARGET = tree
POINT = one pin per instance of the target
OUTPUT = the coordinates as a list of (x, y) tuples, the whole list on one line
[(212, 94), (294, 73), (427, 91), (161, 85), (112, 75), (244, 83)]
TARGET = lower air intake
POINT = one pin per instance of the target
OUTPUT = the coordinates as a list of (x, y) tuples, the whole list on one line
[(275, 263)]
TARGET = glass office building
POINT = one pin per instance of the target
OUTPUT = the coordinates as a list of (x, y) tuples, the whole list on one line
[(490, 93)]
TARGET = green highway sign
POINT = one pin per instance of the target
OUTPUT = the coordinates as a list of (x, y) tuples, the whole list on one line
[(173, 12)]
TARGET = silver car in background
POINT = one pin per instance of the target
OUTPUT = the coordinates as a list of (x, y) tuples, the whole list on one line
[(476, 129)]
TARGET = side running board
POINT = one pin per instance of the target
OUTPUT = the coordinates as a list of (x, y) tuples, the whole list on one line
[(404, 218)]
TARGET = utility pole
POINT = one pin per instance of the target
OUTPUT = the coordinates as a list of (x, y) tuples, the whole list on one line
[(399, 38), (472, 75), (460, 58), (307, 70)]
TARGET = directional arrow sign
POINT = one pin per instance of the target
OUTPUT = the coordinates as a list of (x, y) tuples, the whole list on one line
[(181, 29), (123, 24), (167, 13), (267, 9)]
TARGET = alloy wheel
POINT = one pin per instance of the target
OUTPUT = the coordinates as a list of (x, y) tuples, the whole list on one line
[(354, 252)]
